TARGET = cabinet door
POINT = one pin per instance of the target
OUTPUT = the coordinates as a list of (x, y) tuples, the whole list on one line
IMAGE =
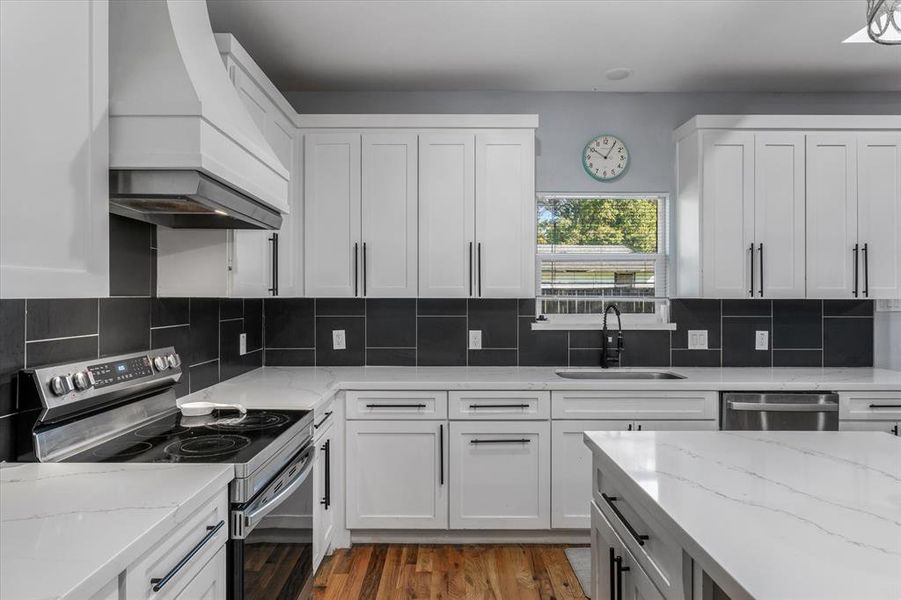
[(879, 213), (332, 214), (500, 475), (389, 194), (446, 215), (54, 149), (323, 500), (727, 191), (615, 574), (251, 263), (779, 214), (687, 425), (571, 471), (505, 214), (831, 214), (396, 475), (210, 582)]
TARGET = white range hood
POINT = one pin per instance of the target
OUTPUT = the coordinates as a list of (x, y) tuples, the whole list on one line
[(173, 112)]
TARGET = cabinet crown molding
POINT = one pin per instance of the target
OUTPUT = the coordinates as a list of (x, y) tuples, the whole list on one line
[(423, 121), (789, 122)]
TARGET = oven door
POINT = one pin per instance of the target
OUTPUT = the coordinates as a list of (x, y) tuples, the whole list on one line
[(271, 551)]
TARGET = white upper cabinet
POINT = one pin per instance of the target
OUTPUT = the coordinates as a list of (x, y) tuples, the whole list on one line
[(389, 205), (446, 214), (832, 246), (779, 214), (54, 149), (728, 213), (879, 213), (332, 214), (505, 214)]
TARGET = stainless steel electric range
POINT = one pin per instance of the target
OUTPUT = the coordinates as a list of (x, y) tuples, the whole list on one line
[(123, 409)]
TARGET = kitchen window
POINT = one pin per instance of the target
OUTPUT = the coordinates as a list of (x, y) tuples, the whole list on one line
[(597, 249)]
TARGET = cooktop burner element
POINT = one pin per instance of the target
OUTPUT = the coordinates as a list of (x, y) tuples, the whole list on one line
[(155, 430), (121, 448), (252, 421), (207, 446)]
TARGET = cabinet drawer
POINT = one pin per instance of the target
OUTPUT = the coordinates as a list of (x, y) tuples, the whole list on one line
[(397, 405), (499, 405), (634, 405), (162, 560), (866, 406), (891, 427), (655, 550)]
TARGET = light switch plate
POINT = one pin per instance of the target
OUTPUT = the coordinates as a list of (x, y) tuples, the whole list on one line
[(697, 339), (339, 341), (762, 340), (475, 339), (242, 344)]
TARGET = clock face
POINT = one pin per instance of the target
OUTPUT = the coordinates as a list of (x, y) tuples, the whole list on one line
[(605, 158)]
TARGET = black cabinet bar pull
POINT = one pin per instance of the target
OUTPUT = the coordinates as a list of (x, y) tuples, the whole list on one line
[(364, 268), (856, 252), (356, 252), (470, 268), (395, 406), (441, 454), (760, 249), (516, 441), (274, 241), (612, 568), (751, 289), (895, 430), (324, 419), (474, 406), (885, 406), (479, 250), (158, 583), (611, 500), (630, 427), (866, 270), (327, 499), (620, 569)]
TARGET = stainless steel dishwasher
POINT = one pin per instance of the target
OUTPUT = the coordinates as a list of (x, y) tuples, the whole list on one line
[(801, 411)]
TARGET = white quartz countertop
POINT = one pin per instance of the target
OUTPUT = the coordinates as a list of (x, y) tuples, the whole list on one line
[(308, 387), (67, 529), (772, 514)]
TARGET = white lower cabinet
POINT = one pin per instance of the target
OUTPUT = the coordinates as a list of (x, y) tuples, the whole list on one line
[(500, 475), (396, 474), (210, 582), (892, 427), (615, 574), (571, 472), (323, 495)]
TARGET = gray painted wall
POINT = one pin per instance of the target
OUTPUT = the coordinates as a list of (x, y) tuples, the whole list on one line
[(887, 340), (569, 119)]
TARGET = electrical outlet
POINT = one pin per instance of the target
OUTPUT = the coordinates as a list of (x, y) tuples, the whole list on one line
[(697, 339), (242, 344), (475, 339), (762, 340), (339, 341)]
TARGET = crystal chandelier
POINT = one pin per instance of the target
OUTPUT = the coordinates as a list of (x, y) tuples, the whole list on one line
[(884, 21)]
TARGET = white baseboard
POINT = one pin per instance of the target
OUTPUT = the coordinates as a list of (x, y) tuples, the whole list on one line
[(555, 536)]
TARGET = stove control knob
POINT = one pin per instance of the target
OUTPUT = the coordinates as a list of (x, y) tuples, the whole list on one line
[(81, 380), (173, 360), (160, 363), (61, 385)]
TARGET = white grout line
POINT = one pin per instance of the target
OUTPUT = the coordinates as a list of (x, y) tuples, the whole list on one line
[(68, 337)]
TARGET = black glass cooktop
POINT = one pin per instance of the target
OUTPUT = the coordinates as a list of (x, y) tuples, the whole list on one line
[(222, 437)]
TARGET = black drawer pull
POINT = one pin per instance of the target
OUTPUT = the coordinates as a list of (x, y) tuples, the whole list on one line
[(158, 583), (395, 406), (512, 441), (639, 537), (324, 419), (474, 406), (885, 406)]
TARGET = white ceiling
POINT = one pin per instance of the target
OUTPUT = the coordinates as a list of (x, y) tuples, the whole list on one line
[(560, 45)]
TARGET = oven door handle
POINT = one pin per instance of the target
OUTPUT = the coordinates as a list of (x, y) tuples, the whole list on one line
[(252, 519), (787, 407)]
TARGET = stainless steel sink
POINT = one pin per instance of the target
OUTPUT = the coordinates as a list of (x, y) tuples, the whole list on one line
[(616, 374)]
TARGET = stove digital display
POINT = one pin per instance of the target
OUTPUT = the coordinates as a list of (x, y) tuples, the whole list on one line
[(112, 373)]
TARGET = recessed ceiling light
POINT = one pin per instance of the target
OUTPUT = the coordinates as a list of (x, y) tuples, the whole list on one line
[(220, 212), (618, 73)]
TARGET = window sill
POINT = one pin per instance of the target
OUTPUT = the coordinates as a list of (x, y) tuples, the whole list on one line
[(552, 325)]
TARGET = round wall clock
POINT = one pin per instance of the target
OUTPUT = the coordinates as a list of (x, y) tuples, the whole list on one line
[(605, 158)]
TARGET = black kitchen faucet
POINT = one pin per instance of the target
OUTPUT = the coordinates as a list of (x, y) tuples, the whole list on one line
[(612, 352)]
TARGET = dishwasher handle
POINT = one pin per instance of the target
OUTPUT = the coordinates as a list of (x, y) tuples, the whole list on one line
[(783, 407)]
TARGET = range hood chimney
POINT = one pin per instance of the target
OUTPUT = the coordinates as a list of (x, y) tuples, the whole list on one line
[(183, 150)]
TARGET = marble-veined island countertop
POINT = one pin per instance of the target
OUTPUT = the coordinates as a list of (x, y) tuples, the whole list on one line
[(67, 529), (771, 514)]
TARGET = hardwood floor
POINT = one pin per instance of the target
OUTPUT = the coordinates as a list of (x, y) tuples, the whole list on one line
[(387, 572)]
